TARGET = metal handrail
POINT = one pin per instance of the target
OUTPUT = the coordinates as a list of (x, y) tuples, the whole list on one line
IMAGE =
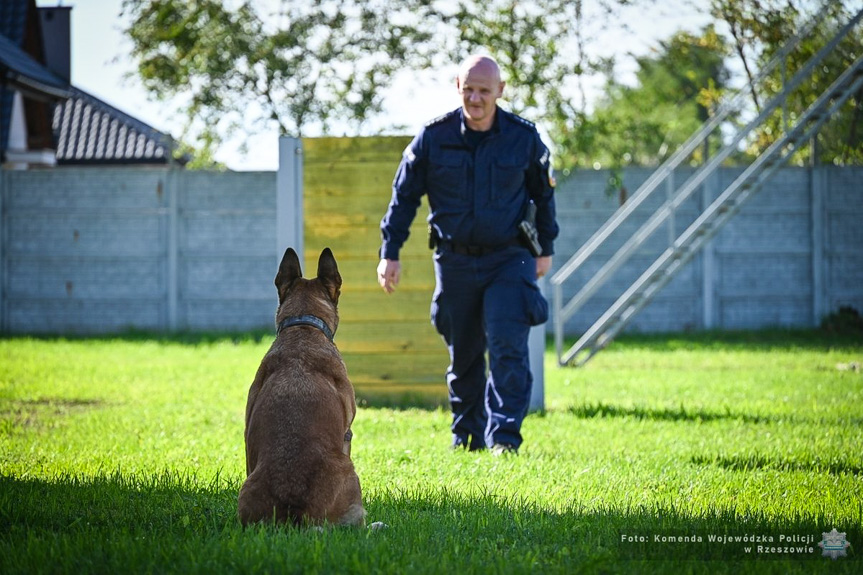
[(760, 168), (562, 313), (659, 175)]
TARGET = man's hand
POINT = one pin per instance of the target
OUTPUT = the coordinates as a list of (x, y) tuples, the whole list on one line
[(543, 265), (389, 272)]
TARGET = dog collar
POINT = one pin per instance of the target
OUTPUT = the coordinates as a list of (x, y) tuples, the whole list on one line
[(311, 320)]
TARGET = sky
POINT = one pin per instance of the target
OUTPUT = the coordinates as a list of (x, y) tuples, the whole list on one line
[(101, 65)]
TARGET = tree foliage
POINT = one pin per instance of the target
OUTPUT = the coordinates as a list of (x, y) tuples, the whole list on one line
[(307, 62), (532, 44), (680, 85), (312, 62), (758, 30), (676, 88)]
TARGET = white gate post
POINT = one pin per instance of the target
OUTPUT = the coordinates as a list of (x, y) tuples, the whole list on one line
[(4, 238), (710, 189), (536, 353), (289, 198)]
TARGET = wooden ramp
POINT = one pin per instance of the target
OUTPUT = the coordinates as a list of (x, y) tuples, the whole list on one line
[(393, 353)]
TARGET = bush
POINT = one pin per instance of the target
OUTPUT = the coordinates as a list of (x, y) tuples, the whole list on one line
[(845, 321)]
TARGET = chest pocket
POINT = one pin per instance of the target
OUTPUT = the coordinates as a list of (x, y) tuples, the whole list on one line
[(507, 182), (448, 177)]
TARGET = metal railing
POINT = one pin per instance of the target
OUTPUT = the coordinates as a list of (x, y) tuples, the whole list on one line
[(563, 312)]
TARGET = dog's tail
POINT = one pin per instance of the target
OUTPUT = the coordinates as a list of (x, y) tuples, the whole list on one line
[(270, 511), (256, 504)]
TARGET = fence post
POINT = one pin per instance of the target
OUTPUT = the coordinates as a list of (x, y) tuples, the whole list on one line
[(289, 198), (4, 238), (536, 354), (171, 193), (709, 191), (817, 214)]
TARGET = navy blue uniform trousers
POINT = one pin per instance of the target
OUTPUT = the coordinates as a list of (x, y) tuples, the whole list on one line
[(487, 303)]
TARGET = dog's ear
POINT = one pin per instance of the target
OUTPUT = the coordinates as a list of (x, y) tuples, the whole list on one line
[(328, 274), (289, 270)]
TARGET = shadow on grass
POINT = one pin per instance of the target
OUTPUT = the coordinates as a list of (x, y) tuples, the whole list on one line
[(174, 523), (426, 397), (761, 339), (754, 340), (131, 503), (755, 462), (191, 338), (682, 414), (589, 411)]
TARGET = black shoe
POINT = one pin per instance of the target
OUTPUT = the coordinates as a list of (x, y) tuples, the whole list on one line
[(463, 442), (504, 449)]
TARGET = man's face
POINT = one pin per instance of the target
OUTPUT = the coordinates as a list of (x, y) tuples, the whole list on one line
[(479, 87)]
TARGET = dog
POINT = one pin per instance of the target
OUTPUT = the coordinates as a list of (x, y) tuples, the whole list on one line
[(300, 409)]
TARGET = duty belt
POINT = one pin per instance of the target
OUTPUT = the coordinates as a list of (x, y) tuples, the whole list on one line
[(469, 250)]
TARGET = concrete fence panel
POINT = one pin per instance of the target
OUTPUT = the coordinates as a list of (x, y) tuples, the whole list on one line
[(87, 250)]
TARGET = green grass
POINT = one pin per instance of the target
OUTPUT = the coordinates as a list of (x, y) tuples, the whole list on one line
[(125, 455)]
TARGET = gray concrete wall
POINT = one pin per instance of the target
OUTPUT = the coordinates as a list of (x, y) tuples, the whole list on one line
[(102, 250), (793, 254)]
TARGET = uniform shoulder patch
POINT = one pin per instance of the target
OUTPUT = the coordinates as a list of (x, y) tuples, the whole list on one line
[(519, 120), (409, 155), (441, 119)]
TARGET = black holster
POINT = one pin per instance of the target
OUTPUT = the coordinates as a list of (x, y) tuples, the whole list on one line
[(527, 231)]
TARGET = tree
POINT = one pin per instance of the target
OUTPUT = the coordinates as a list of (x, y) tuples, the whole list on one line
[(309, 62), (758, 30), (545, 50), (675, 92), (528, 41), (316, 60)]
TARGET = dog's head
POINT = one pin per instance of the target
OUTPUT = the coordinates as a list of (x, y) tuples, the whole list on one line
[(299, 296)]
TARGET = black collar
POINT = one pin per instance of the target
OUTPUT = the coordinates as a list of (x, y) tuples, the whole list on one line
[(495, 126), (311, 320)]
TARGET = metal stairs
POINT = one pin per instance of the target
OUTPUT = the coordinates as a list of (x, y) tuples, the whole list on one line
[(682, 249)]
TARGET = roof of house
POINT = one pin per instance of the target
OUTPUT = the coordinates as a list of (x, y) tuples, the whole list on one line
[(20, 70), (88, 130)]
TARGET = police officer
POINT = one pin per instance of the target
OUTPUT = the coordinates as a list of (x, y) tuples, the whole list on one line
[(481, 168)]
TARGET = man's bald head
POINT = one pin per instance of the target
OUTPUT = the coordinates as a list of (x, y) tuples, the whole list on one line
[(480, 86), (481, 64)]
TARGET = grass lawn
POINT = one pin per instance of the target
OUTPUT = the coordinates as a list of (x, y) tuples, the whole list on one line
[(665, 453)]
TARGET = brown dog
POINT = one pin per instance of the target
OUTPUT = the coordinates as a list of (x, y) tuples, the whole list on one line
[(300, 409)]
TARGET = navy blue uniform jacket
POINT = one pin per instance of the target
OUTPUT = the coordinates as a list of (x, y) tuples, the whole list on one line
[(477, 197)]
